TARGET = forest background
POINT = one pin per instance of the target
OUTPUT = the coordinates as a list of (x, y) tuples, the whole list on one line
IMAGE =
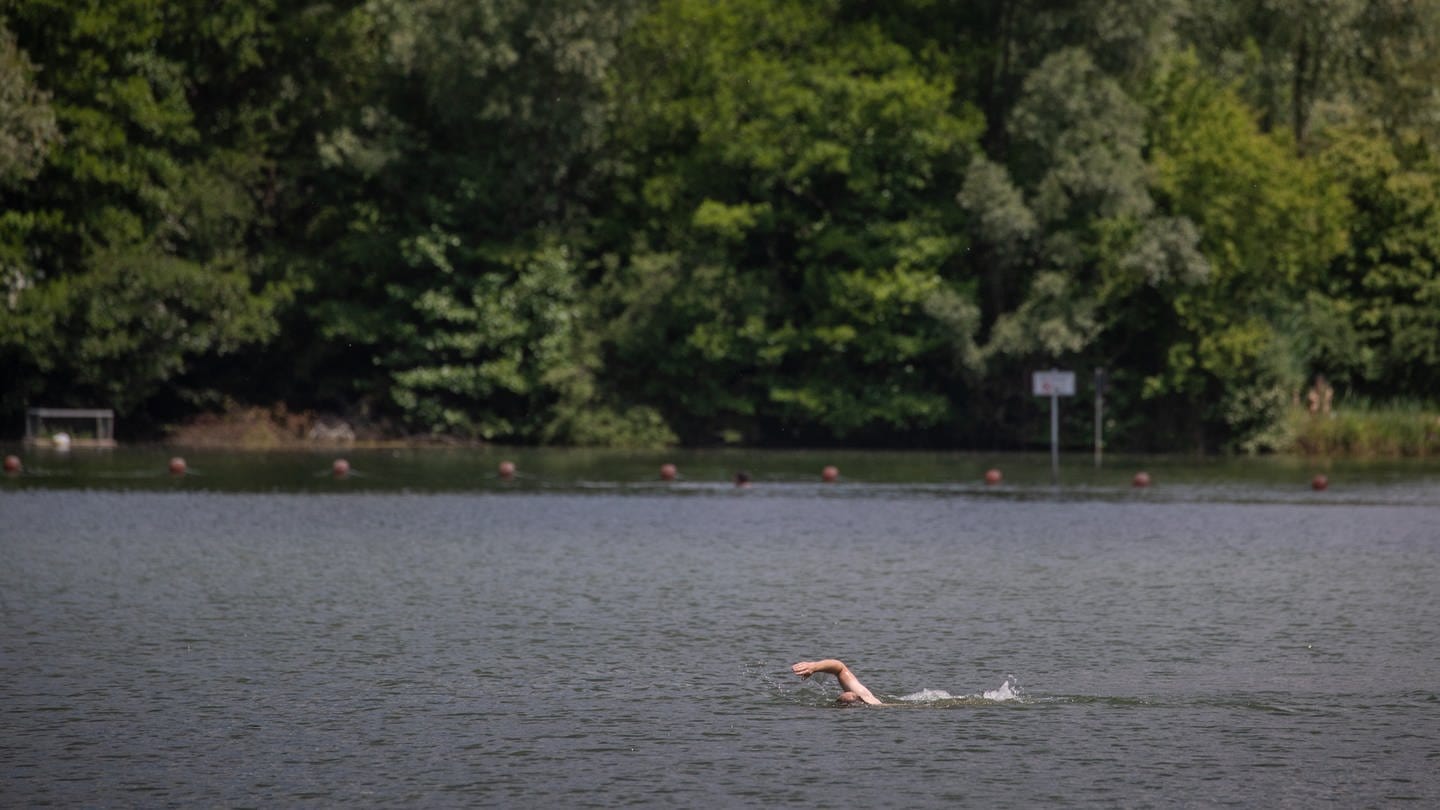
[(774, 222)]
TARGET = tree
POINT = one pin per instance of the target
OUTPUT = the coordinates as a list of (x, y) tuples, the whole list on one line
[(446, 228), (1395, 68), (794, 271), (1308, 62), (1076, 167), (993, 46), (1269, 224), (1371, 327), (27, 121), (28, 132), (136, 264)]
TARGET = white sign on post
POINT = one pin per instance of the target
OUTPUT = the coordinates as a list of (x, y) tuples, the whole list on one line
[(1054, 383)]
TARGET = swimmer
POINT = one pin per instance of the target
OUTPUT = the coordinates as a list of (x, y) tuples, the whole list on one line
[(855, 691)]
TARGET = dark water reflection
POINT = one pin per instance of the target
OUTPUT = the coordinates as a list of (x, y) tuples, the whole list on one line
[(863, 473), (240, 639)]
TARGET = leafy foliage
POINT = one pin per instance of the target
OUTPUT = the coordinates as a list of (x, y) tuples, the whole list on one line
[(27, 122), (1268, 223), (134, 262), (797, 241), (1374, 319), (789, 221)]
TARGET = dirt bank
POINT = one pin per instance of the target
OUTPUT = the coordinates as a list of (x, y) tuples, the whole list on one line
[(277, 427)]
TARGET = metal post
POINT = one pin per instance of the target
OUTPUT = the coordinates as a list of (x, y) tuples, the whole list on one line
[(1054, 439), (1099, 415), (1054, 384)]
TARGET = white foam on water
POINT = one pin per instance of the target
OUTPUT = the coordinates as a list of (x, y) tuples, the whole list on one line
[(1006, 691), (927, 696)]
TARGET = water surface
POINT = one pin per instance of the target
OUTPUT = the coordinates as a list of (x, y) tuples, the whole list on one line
[(583, 639)]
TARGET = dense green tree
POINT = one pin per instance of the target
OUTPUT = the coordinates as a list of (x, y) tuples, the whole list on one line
[(1309, 63), (449, 221), (793, 267), (1372, 325), (133, 230), (28, 131), (1076, 167), (27, 122), (1287, 55), (591, 222), (1394, 70), (993, 46), (1269, 224)]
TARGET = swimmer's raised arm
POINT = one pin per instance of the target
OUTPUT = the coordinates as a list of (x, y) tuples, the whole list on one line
[(848, 681)]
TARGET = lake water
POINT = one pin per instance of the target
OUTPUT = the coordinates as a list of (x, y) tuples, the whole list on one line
[(260, 634)]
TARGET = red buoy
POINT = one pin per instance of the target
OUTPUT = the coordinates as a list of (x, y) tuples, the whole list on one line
[(507, 470), (341, 468), (12, 464), (993, 477), (830, 474), (1319, 483), (1141, 480), (668, 472), (177, 466)]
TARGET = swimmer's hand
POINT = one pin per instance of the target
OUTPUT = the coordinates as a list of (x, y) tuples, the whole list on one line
[(835, 667), (806, 668)]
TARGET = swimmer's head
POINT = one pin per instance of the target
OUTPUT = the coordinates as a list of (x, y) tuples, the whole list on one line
[(849, 699)]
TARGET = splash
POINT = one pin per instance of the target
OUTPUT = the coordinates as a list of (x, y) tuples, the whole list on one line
[(1006, 691), (927, 696)]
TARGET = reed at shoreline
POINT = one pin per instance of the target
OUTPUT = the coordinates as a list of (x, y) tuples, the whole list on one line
[(1364, 429)]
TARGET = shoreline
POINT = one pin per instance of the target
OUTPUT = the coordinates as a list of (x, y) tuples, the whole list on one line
[(1350, 433)]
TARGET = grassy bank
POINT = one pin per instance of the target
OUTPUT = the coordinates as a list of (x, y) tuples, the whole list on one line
[(1366, 429), (1351, 429)]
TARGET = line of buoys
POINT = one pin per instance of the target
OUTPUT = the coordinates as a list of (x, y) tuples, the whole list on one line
[(668, 472), (13, 465)]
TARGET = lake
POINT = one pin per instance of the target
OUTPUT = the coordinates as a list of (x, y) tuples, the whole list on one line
[(258, 633)]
